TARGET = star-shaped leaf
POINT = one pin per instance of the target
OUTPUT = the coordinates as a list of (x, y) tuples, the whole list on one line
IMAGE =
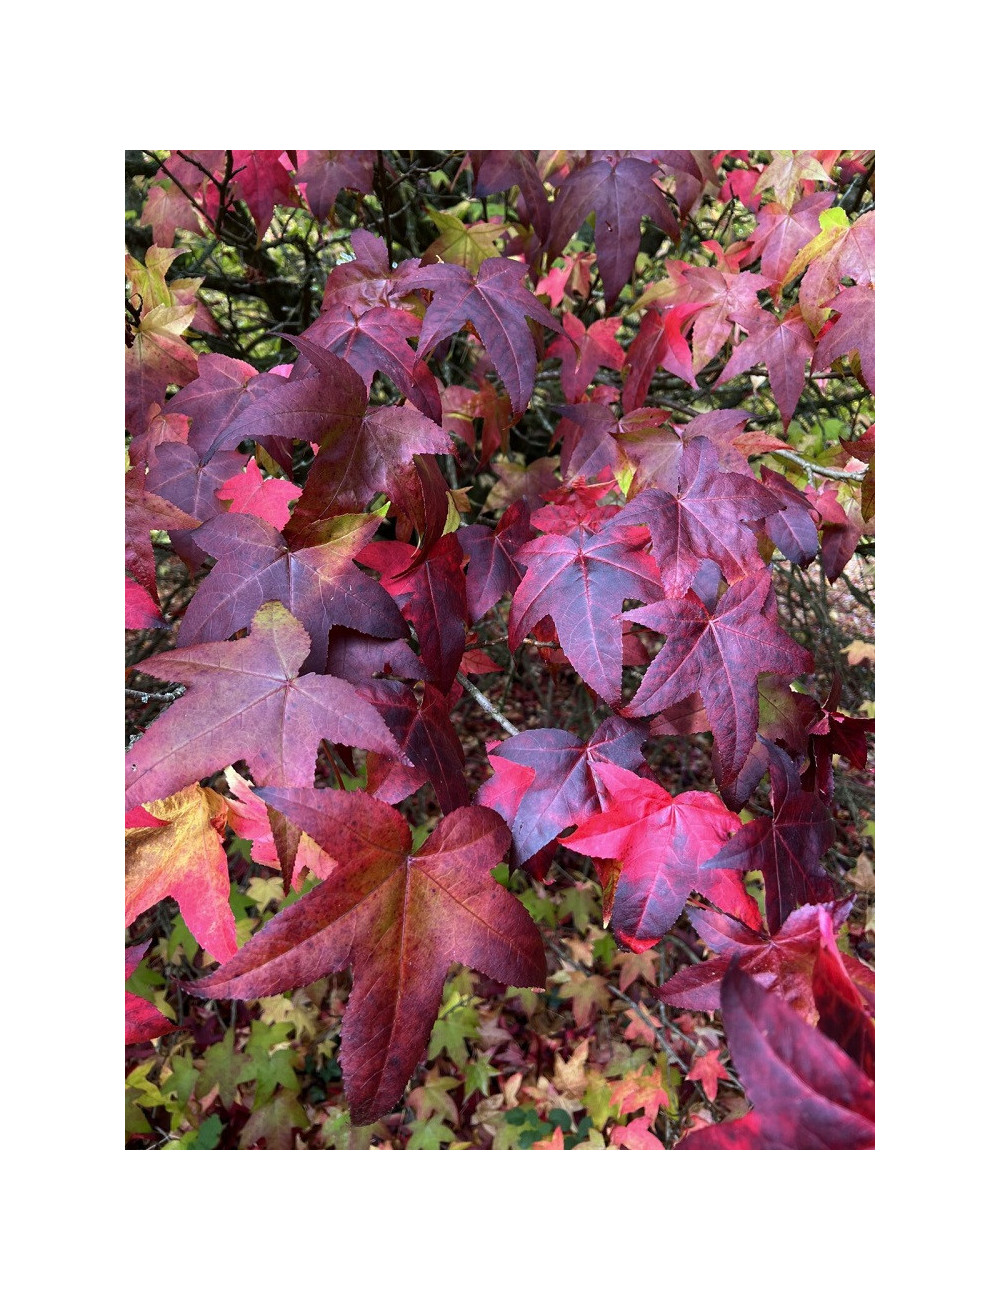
[(581, 579), (660, 841), (498, 306), (784, 344), (397, 917), (719, 654), (246, 702), (563, 790), (320, 585), (619, 190), (708, 518), (786, 848)]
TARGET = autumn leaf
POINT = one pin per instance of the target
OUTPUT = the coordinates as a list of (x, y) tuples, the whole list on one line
[(618, 188), (708, 517), (784, 344), (184, 859), (660, 841), (399, 919), (321, 585), (785, 848), (709, 1072), (499, 306), (581, 580), (245, 702), (562, 787), (249, 493), (806, 1092), (721, 655)]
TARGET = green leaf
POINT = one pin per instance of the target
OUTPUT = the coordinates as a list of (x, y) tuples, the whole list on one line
[(225, 1068), (429, 1134)]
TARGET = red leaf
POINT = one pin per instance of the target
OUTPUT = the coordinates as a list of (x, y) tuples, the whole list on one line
[(497, 304), (261, 180), (561, 789), (721, 655), (619, 190), (709, 1072), (661, 842), (780, 233), (399, 919), (245, 702), (785, 346), (807, 1093), (582, 579), (853, 331), (432, 597), (320, 585), (249, 493), (786, 848)]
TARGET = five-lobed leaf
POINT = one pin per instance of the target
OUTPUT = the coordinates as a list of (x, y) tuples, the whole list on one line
[(399, 919), (246, 701)]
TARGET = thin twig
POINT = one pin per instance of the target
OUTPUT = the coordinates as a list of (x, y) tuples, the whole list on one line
[(156, 697), (850, 475), (490, 708)]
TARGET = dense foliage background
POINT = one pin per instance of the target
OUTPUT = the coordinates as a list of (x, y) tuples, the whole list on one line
[(568, 337)]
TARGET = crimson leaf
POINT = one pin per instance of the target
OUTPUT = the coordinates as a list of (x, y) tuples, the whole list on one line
[(399, 919)]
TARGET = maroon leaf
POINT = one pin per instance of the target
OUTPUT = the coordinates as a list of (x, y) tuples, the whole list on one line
[(432, 597), (562, 790), (581, 580), (784, 962), (497, 304), (225, 388), (376, 338), (325, 406), (500, 169), (245, 702), (492, 571), (368, 457), (707, 519), (619, 190), (721, 655), (427, 737), (786, 848), (399, 919), (842, 1006), (807, 1093), (323, 173), (320, 585)]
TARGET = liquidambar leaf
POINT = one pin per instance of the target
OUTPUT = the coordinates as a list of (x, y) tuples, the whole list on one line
[(245, 701), (183, 858), (399, 919), (807, 1093)]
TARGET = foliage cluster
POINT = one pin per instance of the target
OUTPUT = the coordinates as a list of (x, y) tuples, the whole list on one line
[(499, 557)]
